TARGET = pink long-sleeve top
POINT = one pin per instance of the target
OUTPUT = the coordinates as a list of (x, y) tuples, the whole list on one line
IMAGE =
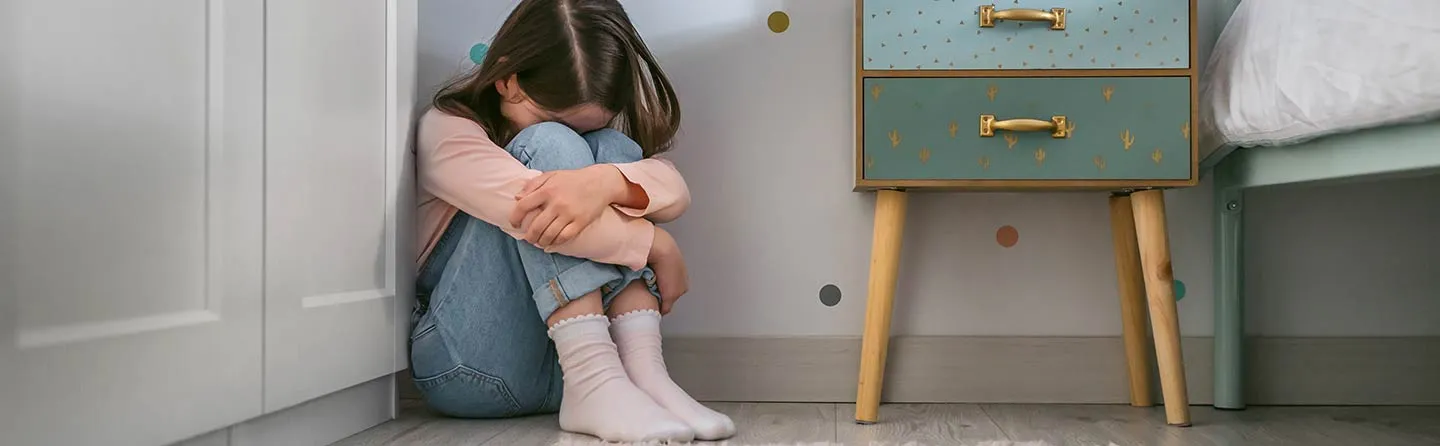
[(461, 169)]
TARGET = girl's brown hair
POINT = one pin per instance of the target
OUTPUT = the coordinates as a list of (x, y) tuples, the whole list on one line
[(566, 53)]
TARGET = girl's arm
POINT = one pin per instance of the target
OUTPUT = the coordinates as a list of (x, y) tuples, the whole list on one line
[(458, 163), (657, 191)]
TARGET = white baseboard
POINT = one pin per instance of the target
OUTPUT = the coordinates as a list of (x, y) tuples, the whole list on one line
[(1081, 370), (318, 422)]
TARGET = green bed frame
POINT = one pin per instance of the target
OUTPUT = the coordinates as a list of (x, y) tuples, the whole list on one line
[(1380, 153)]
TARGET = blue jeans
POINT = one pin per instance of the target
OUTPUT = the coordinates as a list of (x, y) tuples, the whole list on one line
[(478, 349)]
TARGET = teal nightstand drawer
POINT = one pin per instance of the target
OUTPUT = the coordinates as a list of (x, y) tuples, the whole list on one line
[(1097, 34), (1119, 128)]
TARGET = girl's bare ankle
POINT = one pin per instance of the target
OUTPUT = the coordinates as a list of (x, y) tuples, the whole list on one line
[(634, 297)]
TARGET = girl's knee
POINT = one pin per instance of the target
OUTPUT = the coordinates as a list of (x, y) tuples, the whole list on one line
[(612, 146), (551, 146)]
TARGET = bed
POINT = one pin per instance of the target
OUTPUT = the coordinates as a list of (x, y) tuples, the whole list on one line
[(1303, 92)]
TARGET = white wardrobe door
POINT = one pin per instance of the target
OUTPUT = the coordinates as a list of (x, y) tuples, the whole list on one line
[(131, 195), (333, 179)]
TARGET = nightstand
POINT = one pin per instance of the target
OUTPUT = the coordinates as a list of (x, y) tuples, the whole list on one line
[(1092, 95)]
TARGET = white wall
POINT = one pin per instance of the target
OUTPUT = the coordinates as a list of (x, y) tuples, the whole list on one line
[(767, 149)]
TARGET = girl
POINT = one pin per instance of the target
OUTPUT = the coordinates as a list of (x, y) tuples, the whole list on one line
[(538, 188)]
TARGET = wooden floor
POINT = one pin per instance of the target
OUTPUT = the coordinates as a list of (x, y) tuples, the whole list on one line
[(967, 424)]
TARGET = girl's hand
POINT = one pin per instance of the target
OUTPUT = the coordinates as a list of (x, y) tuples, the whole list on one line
[(556, 206), (669, 266)]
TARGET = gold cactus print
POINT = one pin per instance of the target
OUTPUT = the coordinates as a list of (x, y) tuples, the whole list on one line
[(1069, 128), (1107, 91), (924, 155), (1157, 155), (869, 162), (1185, 130), (894, 136), (875, 90), (1099, 162), (991, 91), (954, 127), (1039, 156), (984, 163), (1011, 140), (1127, 139)]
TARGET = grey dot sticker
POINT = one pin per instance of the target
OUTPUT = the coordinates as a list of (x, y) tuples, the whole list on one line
[(830, 295)]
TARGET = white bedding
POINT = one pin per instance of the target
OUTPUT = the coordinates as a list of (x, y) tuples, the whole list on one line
[(1286, 71)]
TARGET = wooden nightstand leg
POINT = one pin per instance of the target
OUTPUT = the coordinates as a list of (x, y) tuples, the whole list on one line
[(1132, 299), (1149, 207), (884, 269)]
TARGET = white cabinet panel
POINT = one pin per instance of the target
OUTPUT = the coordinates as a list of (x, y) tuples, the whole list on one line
[(401, 89), (333, 177), (132, 195)]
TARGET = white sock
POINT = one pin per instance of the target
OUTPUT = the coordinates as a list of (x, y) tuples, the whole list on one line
[(637, 334), (599, 398)]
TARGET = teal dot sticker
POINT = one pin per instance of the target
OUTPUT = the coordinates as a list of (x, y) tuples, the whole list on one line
[(1179, 290), (477, 53)]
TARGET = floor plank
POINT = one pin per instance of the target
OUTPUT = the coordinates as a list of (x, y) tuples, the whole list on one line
[(760, 423), (964, 424), (417, 425), (1089, 425), (540, 430), (1304, 426), (1423, 421), (949, 424)]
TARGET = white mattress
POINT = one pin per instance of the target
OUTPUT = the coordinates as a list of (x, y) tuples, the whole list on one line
[(1286, 71)]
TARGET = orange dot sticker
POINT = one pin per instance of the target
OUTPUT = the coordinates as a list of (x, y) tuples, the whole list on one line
[(1007, 236)]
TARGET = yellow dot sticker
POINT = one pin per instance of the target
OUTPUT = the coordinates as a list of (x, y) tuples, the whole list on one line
[(779, 21)]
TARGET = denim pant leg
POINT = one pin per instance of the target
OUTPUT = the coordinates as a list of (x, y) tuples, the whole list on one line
[(476, 349), (610, 146), (557, 279)]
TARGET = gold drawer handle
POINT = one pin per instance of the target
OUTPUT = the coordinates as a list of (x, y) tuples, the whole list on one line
[(1056, 16), (1056, 126)]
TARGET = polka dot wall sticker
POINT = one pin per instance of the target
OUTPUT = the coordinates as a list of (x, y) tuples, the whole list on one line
[(1007, 236), (778, 22), (477, 53), (1179, 289), (830, 295)]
